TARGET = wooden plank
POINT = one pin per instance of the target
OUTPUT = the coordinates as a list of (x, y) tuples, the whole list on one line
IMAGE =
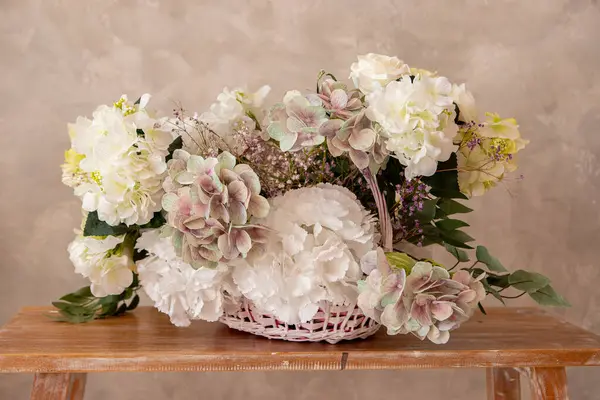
[(503, 384), (146, 341), (547, 383), (65, 386)]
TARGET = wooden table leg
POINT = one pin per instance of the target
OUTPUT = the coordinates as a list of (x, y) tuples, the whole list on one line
[(503, 384), (65, 386), (548, 383)]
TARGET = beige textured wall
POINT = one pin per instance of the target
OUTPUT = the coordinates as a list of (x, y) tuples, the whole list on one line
[(538, 60)]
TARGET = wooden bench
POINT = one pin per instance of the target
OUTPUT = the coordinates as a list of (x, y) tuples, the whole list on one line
[(508, 342)]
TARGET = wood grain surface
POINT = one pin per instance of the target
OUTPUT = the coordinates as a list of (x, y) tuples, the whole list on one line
[(65, 386), (145, 341)]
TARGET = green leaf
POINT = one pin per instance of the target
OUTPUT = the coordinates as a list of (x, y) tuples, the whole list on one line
[(448, 194), (528, 281), (138, 101), (450, 224), (110, 299), (134, 303), (108, 309), (455, 243), (157, 221), (85, 291), (491, 262), (457, 235), (450, 207), (121, 310), (72, 309), (428, 212), (400, 260), (139, 255), (95, 227), (140, 132), (481, 308), (73, 298), (459, 254), (175, 145), (500, 281), (492, 291), (444, 183), (547, 296)]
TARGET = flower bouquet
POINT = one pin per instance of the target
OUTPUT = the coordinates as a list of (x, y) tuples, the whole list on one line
[(299, 221)]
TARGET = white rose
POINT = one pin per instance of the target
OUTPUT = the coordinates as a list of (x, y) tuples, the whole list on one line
[(374, 71)]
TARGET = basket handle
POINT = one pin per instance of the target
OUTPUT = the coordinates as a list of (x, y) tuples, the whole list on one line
[(385, 222)]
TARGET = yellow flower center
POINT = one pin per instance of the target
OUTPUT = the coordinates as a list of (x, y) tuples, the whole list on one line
[(96, 177)]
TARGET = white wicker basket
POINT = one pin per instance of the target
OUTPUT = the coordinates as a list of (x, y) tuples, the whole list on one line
[(331, 324)]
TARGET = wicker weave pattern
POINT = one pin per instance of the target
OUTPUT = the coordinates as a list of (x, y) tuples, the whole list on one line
[(331, 324)]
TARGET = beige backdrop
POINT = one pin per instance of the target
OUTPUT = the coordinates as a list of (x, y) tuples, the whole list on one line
[(538, 60)]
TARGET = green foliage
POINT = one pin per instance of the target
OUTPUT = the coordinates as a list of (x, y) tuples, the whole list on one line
[(175, 145), (547, 296), (450, 224), (449, 207), (157, 221), (528, 281), (83, 306), (444, 183), (460, 255), (400, 260), (484, 256), (95, 227), (427, 214)]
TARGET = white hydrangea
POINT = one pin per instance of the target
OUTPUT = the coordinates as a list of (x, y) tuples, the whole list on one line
[(318, 234), (234, 108), (177, 289), (115, 169), (373, 71), (416, 114), (109, 271)]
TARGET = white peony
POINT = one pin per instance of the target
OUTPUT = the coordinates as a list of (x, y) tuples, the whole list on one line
[(373, 71), (318, 234), (177, 289), (115, 169), (417, 121), (109, 271)]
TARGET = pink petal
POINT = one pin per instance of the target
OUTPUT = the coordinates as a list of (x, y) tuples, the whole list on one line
[(420, 309), (228, 176), (238, 191), (363, 139), (195, 222), (359, 158), (339, 99), (330, 128), (218, 210), (238, 213), (243, 242), (227, 247), (441, 310), (462, 276), (258, 206), (333, 149)]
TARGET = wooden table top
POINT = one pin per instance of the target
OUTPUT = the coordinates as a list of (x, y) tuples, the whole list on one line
[(145, 341)]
